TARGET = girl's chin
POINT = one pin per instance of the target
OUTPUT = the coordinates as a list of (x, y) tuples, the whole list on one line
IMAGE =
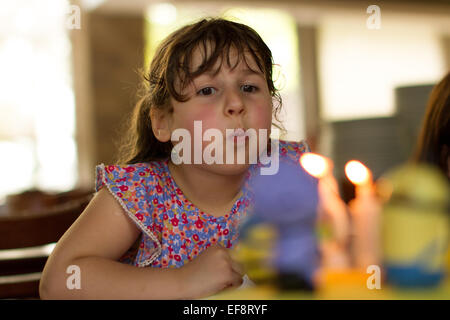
[(227, 169)]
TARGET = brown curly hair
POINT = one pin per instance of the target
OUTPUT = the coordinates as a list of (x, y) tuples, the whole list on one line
[(171, 63), (435, 132)]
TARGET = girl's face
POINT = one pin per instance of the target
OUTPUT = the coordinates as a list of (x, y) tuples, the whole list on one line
[(232, 98)]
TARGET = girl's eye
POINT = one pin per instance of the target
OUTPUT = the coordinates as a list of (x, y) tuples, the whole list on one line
[(206, 91), (249, 88)]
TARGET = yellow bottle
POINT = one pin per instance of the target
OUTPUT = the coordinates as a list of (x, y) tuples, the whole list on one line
[(415, 226)]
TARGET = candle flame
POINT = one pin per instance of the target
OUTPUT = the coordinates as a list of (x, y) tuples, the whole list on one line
[(357, 173), (316, 165)]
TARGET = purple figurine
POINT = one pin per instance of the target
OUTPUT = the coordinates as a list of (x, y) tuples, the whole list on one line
[(288, 200)]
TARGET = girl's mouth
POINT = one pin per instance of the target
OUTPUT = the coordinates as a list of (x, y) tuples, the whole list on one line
[(238, 132), (238, 135)]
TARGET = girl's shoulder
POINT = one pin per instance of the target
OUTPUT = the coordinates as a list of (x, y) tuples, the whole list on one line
[(133, 185), (129, 176), (288, 152), (139, 188), (293, 149)]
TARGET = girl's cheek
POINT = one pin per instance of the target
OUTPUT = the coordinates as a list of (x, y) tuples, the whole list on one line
[(264, 118), (207, 118)]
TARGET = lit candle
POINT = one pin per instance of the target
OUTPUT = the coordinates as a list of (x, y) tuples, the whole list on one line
[(365, 210), (332, 209)]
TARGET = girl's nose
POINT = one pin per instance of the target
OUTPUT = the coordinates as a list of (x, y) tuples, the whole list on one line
[(234, 104)]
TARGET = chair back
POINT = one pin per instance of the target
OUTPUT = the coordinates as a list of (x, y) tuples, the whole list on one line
[(28, 234)]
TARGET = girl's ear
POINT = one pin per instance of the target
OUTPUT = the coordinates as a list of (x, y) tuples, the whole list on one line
[(160, 124)]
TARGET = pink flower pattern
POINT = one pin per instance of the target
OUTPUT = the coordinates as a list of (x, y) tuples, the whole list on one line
[(159, 208)]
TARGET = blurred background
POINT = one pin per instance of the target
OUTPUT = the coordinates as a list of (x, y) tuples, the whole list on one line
[(354, 87), (70, 71)]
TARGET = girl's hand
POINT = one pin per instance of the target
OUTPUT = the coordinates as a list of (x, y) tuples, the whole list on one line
[(210, 272)]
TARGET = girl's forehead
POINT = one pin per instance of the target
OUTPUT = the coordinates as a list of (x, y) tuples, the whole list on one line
[(231, 58)]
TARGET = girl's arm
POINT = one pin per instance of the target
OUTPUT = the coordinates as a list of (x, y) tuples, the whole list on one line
[(94, 243)]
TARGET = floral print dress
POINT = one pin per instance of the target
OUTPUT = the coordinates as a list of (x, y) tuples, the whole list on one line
[(173, 230)]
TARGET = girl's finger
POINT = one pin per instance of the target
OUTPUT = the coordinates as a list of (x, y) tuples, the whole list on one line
[(236, 281), (238, 268)]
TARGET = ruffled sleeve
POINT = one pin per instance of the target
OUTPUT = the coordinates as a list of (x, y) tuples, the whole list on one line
[(129, 186)]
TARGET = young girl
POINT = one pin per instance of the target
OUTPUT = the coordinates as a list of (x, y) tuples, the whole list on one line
[(156, 230)]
